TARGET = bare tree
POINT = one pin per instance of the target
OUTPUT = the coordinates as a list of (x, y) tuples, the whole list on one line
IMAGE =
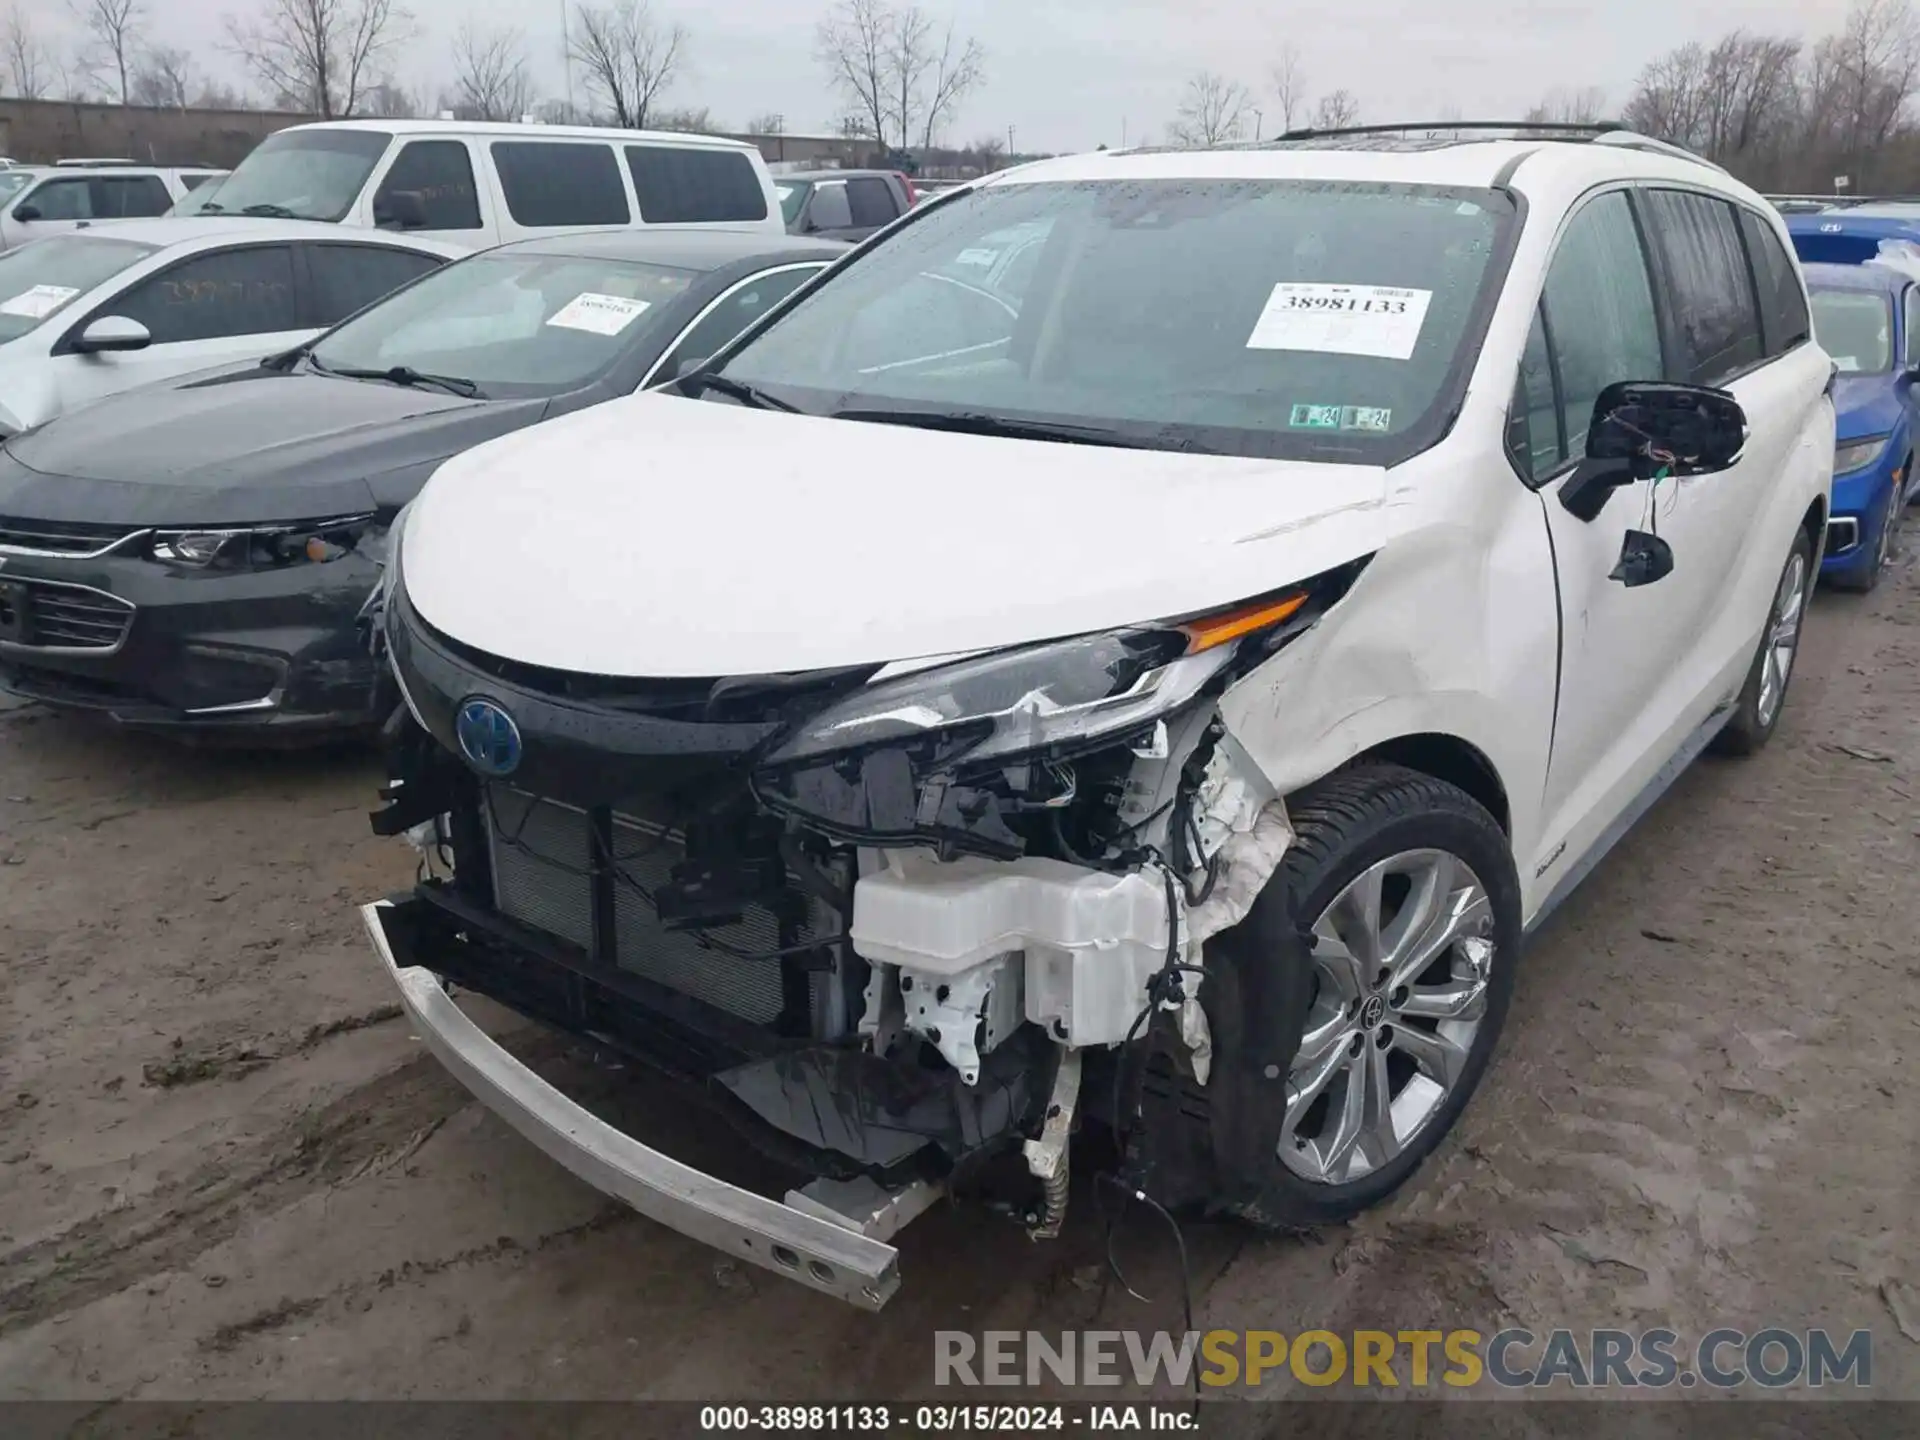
[(881, 60), (218, 95), (854, 44), (1289, 81), (1337, 108), (771, 123), (956, 73), (388, 99), (321, 56), (1560, 106), (1212, 111), (628, 57), (29, 70), (490, 77), (990, 152), (163, 77), (693, 119), (112, 29)]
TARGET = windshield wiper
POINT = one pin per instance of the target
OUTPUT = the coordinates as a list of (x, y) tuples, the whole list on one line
[(210, 208), (401, 375), (746, 394), (973, 422), (269, 210)]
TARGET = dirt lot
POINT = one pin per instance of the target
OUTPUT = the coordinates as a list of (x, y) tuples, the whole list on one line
[(226, 1170)]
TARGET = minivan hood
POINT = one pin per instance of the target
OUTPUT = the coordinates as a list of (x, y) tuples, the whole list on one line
[(240, 446), (662, 537)]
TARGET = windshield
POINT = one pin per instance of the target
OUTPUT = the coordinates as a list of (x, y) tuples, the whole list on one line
[(1260, 317), (1855, 327), (43, 277), (12, 182), (299, 174), (793, 199), (195, 201), (514, 323)]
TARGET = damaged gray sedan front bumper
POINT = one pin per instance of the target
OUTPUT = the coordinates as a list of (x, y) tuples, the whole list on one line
[(839, 1256)]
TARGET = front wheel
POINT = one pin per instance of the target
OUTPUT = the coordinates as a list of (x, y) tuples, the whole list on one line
[(1406, 891), (1757, 711)]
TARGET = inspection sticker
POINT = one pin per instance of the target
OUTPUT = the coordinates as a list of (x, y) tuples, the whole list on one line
[(1374, 418), (39, 302), (1341, 319), (599, 314)]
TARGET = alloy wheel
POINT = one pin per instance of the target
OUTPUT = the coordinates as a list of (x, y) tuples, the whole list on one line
[(1783, 637), (1402, 960)]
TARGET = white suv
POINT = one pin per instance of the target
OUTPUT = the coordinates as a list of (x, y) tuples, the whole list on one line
[(1163, 694)]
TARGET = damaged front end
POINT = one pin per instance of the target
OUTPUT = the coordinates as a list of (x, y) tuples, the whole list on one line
[(897, 920)]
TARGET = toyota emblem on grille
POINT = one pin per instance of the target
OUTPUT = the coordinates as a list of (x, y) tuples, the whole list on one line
[(488, 737)]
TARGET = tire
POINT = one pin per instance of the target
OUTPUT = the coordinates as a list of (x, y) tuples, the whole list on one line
[(1757, 712), (1346, 827)]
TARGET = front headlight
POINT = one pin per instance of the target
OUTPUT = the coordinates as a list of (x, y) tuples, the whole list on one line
[(266, 547), (1060, 693), (1851, 455)]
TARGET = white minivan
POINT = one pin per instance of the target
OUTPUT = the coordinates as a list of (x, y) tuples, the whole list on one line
[(479, 184), (1162, 690)]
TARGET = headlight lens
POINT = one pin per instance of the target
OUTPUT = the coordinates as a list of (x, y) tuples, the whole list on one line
[(268, 547), (1850, 455), (1062, 692)]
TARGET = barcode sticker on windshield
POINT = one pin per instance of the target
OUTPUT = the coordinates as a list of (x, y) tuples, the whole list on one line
[(39, 302), (599, 314), (1341, 320)]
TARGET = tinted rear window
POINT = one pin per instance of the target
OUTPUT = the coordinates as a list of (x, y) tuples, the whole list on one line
[(553, 183), (685, 187)]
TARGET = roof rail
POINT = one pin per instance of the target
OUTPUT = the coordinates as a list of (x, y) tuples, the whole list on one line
[(1579, 129), (1634, 140)]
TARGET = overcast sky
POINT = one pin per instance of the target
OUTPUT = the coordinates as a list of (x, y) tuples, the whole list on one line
[(1072, 74)]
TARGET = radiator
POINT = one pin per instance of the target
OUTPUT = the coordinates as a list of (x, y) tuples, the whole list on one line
[(541, 860)]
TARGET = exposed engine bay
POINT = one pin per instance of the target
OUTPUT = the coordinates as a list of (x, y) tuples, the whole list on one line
[(899, 921)]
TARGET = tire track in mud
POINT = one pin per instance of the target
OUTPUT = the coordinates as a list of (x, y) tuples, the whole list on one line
[(370, 1128)]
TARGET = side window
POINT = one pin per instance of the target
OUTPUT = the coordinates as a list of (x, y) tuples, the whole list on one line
[(1784, 321), (1600, 316), (1912, 317), (441, 174), (829, 208), (870, 199), (684, 186), (194, 181), (738, 310), (1534, 421), (63, 200), (130, 197), (554, 183), (1715, 311), (347, 278), (227, 292)]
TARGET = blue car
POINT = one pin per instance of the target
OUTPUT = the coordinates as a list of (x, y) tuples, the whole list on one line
[(1867, 317)]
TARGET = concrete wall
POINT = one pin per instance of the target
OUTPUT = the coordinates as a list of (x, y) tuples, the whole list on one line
[(44, 130)]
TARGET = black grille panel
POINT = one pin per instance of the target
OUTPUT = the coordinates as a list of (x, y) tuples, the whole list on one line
[(70, 617), (542, 853), (59, 537)]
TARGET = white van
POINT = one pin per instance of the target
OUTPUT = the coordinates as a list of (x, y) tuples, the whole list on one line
[(479, 184), (74, 194)]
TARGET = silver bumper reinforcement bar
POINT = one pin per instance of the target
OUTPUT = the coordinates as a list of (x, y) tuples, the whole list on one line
[(831, 1255)]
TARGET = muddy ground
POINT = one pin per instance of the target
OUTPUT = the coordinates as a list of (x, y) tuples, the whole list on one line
[(226, 1169)]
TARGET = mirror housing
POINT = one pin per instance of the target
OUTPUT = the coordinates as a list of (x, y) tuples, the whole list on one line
[(1647, 428), (112, 332), (26, 210), (402, 209)]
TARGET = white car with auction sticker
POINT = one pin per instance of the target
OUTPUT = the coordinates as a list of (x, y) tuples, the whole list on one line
[(1159, 692)]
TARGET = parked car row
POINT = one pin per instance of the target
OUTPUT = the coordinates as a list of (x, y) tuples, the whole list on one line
[(46, 200), (1139, 642)]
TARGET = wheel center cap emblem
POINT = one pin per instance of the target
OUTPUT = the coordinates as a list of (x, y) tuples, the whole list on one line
[(1373, 1012), (488, 737)]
